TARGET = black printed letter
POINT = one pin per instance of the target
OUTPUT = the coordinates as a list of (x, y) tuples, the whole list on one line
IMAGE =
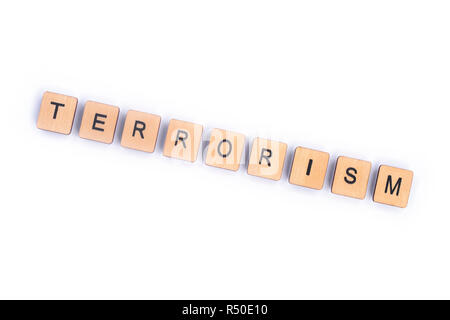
[(353, 180), (98, 115), (181, 138), (57, 105), (389, 185), (229, 149), (142, 128), (308, 171), (267, 157)]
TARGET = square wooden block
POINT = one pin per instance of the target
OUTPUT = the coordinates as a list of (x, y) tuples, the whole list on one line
[(225, 149), (351, 177), (57, 112), (309, 168), (393, 186), (183, 140), (140, 131), (99, 122), (267, 159)]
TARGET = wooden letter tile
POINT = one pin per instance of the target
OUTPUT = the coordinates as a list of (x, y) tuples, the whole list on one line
[(351, 177), (309, 168), (140, 131), (267, 159), (183, 140), (225, 149), (393, 186), (99, 122), (57, 113)]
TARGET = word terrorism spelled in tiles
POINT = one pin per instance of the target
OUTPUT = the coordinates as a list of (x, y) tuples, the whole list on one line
[(267, 157)]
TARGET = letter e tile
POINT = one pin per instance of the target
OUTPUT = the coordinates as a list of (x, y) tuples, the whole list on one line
[(99, 122)]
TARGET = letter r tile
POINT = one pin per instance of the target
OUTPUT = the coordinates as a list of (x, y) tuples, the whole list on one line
[(267, 159), (57, 113), (140, 131), (393, 186), (351, 177), (183, 140), (225, 149), (99, 122)]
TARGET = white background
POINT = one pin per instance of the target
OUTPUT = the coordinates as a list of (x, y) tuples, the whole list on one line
[(365, 79)]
